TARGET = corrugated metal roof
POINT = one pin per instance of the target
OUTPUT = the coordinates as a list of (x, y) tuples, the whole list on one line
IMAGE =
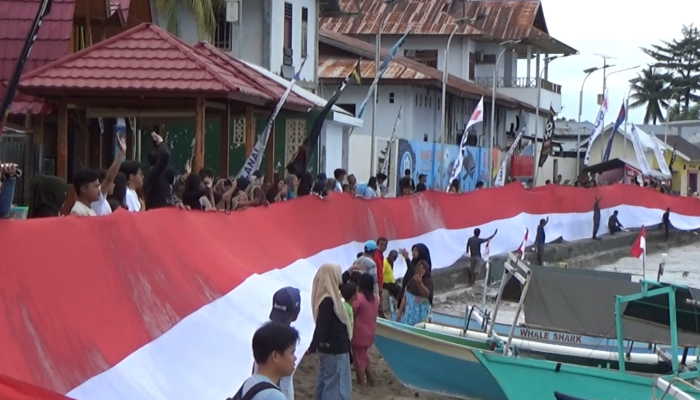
[(53, 42), (147, 58), (497, 20), (682, 145), (400, 68)]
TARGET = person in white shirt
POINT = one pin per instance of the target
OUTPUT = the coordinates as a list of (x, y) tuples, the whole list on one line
[(101, 206), (339, 175), (87, 190), (134, 182)]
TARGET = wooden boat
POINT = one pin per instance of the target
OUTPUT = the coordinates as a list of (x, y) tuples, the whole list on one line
[(562, 307), (525, 378), (435, 362), (477, 322)]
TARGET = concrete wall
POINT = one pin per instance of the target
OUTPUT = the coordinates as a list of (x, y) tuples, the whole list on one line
[(258, 17), (331, 147)]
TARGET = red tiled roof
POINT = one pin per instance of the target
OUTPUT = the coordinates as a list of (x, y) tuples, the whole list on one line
[(143, 59), (267, 85), (53, 42)]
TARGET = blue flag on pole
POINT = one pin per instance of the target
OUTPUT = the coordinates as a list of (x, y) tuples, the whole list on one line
[(620, 121)]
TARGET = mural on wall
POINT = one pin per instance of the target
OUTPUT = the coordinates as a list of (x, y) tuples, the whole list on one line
[(425, 158)]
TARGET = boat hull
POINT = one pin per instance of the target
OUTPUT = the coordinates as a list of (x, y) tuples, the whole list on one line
[(528, 379), (436, 363), (540, 335)]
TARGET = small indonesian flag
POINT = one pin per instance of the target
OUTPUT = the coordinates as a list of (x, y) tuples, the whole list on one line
[(477, 115), (521, 249), (639, 248), (487, 251)]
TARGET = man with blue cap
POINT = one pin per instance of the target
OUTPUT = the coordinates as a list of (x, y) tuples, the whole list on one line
[(286, 304), (365, 263)]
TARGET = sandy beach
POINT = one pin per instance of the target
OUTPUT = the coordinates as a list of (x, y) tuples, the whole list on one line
[(387, 386)]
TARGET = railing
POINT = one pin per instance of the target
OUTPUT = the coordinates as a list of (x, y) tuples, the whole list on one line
[(519, 83), (671, 389)]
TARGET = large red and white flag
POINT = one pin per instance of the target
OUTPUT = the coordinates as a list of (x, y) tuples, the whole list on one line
[(639, 247), (521, 249)]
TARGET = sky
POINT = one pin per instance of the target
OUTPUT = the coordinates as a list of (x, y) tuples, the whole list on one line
[(612, 27)]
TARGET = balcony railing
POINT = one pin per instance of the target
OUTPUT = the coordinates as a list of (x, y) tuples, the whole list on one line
[(519, 83)]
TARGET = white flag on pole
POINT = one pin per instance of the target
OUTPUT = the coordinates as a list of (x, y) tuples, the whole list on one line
[(477, 116), (387, 153), (252, 163), (597, 128), (639, 151), (501, 177), (663, 167)]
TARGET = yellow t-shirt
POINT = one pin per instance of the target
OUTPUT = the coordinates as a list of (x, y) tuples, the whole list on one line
[(388, 272)]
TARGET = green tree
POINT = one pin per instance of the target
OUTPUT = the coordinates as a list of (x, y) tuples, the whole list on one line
[(680, 60), (650, 90), (676, 113), (203, 12)]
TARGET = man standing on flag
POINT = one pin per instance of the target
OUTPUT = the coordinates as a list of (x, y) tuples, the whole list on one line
[(540, 240), (476, 262), (301, 160)]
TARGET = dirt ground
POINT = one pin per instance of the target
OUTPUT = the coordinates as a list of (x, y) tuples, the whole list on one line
[(387, 386)]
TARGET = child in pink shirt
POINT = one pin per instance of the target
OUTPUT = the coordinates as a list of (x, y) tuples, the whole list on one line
[(366, 309)]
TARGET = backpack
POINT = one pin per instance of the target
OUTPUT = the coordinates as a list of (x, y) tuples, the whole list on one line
[(257, 388)]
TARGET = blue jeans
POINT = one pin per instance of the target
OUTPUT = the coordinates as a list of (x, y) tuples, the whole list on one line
[(7, 193), (334, 381)]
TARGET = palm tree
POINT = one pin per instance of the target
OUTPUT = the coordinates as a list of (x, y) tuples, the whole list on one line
[(650, 91), (203, 12)]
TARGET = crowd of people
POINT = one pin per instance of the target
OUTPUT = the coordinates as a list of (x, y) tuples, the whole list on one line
[(346, 306)]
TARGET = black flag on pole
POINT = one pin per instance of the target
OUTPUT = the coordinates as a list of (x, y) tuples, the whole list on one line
[(44, 10), (301, 160), (548, 138)]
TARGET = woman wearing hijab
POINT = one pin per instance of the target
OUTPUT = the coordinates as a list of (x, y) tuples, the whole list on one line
[(418, 297), (49, 194), (419, 252), (332, 336)]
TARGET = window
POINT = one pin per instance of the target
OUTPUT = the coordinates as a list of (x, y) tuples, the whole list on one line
[(223, 34), (304, 32), (351, 108), (472, 64), (288, 14), (426, 57)]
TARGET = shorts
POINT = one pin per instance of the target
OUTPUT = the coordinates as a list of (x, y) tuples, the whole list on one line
[(476, 265)]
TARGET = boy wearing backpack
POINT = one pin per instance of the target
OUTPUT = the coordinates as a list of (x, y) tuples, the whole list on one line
[(274, 345)]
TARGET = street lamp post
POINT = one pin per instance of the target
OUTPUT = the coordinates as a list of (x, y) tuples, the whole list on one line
[(588, 73), (547, 60), (443, 117), (507, 45), (377, 59)]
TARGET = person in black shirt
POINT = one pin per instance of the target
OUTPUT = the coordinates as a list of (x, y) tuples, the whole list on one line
[(156, 187), (666, 221), (476, 263), (596, 218), (406, 184), (421, 186), (614, 225), (332, 335), (540, 239)]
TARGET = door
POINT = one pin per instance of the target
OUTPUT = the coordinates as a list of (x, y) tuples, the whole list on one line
[(692, 182)]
